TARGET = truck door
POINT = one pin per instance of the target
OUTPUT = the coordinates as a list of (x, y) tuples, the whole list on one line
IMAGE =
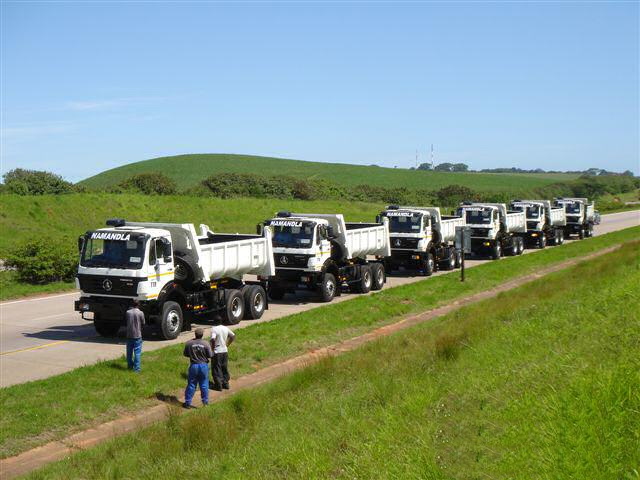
[(160, 262), (322, 240)]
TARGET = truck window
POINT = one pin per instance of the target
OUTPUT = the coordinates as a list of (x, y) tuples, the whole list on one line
[(152, 253), (405, 223), (99, 252), (293, 236), (478, 216)]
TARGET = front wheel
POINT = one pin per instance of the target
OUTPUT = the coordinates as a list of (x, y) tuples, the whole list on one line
[(428, 265), (378, 276), (328, 287), (542, 241), (105, 328), (458, 259), (234, 307), (497, 251), (171, 320), (581, 234)]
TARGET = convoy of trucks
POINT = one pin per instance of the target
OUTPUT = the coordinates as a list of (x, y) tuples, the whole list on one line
[(421, 239), (494, 229), (545, 223), (177, 274)]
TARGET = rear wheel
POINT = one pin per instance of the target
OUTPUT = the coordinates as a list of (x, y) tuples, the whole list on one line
[(170, 320), (458, 259), (105, 328), (364, 284), (255, 302), (427, 265), (520, 245), (450, 263), (234, 307), (378, 276), (328, 287)]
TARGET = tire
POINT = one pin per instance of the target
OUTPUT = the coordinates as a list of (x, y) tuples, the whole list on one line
[(234, 307), (520, 246), (497, 251), (450, 263), (561, 239), (255, 302), (542, 241), (171, 320), (590, 231), (105, 328), (184, 271), (328, 287), (378, 276), (428, 265), (458, 259), (276, 292), (581, 234), (363, 285)]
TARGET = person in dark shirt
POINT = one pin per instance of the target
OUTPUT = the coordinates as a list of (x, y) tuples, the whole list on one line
[(135, 320), (199, 353)]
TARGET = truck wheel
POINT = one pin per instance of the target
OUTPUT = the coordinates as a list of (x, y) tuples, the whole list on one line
[(184, 271), (520, 245), (497, 251), (171, 320), (234, 307), (328, 287), (458, 259), (255, 302), (378, 277), (561, 237), (104, 327), (590, 231), (276, 293), (581, 234), (364, 284), (542, 241), (427, 265), (449, 263)]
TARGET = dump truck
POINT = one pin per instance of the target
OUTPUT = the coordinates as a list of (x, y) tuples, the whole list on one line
[(581, 216), (421, 239), (495, 230), (545, 223), (174, 273), (323, 253)]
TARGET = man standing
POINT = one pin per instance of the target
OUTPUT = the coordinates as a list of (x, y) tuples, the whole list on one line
[(199, 352), (135, 320), (221, 338)]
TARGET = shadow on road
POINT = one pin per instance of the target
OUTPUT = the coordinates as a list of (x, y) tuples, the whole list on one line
[(170, 399)]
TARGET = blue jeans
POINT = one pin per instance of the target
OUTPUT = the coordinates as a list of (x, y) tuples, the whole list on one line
[(134, 353), (198, 375)]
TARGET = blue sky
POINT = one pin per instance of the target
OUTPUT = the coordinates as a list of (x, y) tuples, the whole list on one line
[(86, 87)]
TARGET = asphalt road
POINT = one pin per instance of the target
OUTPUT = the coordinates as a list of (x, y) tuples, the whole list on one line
[(41, 337)]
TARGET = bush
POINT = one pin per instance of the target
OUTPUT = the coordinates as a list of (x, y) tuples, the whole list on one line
[(35, 182), (152, 183), (42, 262), (452, 195)]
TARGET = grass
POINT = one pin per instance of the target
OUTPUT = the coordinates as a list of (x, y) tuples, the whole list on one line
[(541, 382), (10, 287), (188, 170), (54, 407)]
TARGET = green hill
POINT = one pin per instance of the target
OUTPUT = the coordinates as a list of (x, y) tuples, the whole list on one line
[(188, 170)]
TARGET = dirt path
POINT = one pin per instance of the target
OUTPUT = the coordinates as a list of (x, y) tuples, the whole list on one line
[(38, 457)]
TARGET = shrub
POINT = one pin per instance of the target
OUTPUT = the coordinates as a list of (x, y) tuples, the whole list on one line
[(43, 262), (452, 195), (151, 183), (35, 182)]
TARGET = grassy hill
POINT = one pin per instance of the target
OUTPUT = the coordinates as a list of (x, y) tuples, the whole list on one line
[(188, 170)]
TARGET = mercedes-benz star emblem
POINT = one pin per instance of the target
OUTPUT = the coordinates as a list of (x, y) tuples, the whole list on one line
[(398, 242), (284, 260), (107, 285)]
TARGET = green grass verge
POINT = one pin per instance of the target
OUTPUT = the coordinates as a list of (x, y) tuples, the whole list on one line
[(541, 382), (37, 412), (188, 170), (10, 287)]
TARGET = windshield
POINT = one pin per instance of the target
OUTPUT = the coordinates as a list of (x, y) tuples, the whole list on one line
[(103, 252), (299, 235), (407, 223), (533, 211), (478, 216), (572, 207)]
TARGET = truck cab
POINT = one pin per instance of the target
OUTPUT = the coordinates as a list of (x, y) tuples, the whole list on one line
[(580, 216), (484, 220)]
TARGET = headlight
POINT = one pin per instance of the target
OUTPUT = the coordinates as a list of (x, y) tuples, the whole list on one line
[(84, 307)]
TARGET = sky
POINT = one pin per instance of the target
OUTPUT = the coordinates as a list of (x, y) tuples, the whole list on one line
[(90, 86)]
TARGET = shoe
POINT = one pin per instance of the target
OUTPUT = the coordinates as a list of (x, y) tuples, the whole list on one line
[(187, 406), (217, 388), (225, 386)]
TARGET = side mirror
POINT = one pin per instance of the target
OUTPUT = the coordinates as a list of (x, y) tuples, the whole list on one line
[(330, 232), (258, 229), (81, 240), (378, 219)]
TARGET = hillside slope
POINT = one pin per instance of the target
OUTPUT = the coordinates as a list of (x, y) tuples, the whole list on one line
[(188, 170)]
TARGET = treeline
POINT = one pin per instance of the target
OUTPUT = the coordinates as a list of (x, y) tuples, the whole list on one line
[(229, 185), (463, 167)]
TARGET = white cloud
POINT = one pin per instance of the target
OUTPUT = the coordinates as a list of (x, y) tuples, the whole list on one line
[(25, 132), (108, 104)]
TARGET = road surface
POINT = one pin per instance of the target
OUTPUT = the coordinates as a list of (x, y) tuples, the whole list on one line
[(41, 337)]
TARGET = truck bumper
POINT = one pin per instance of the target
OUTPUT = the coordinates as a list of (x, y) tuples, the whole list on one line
[(406, 258), (482, 245), (291, 279), (106, 307)]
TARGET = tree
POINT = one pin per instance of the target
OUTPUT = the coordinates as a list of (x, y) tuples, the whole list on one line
[(425, 166), (35, 182)]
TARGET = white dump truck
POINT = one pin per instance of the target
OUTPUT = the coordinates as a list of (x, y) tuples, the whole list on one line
[(323, 253), (545, 223), (494, 229), (421, 239), (173, 272), (581, 216)]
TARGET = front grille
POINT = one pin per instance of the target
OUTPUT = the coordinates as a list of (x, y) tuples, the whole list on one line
[(573, 219), (402, 242), (480, 232), (109, 285), (291, 260), (532, 225)]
